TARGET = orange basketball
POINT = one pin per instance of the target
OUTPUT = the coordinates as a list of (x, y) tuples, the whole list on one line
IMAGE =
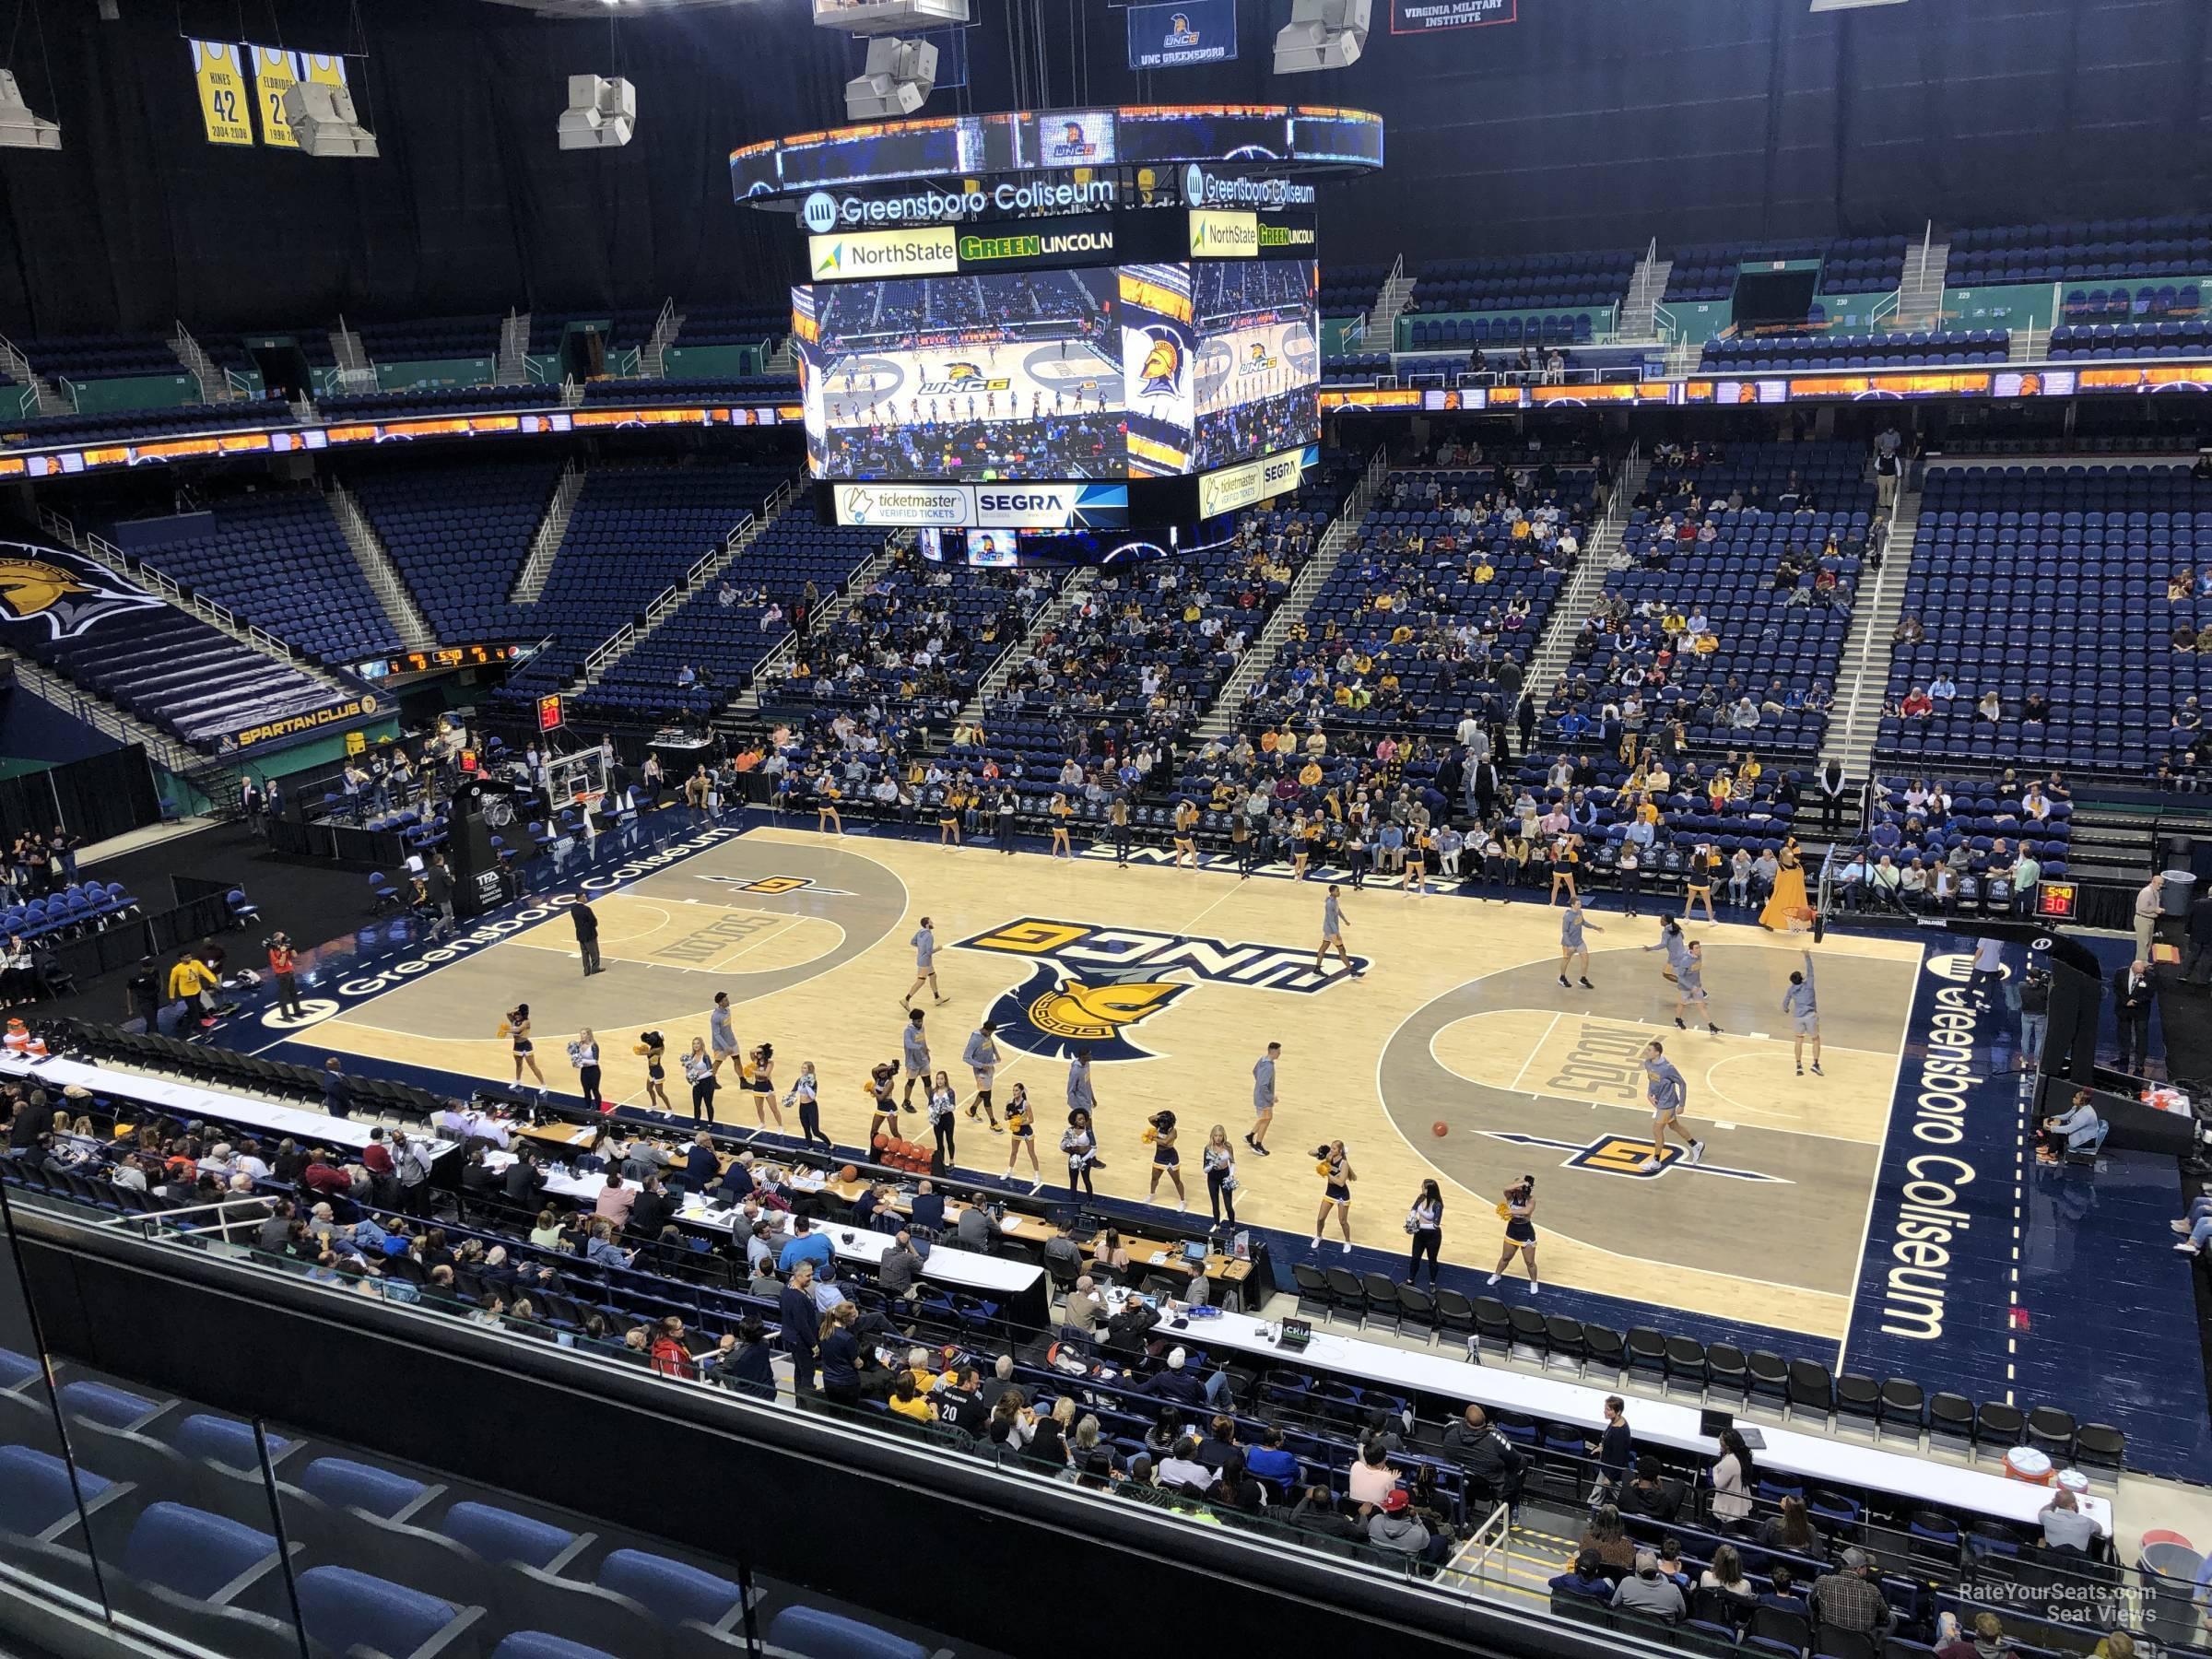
[(881, 1140), (848, 1174), (1439, 1129)]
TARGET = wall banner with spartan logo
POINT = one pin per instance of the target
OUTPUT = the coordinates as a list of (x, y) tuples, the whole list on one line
[(275, 71), (225, 95)]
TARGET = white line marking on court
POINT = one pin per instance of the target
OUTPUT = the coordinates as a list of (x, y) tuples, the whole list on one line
[(1881, 1148), (1535, 1048)]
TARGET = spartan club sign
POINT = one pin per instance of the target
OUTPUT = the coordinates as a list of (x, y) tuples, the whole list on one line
[(61, 596)]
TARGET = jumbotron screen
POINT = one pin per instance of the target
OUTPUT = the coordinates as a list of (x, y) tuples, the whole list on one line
[(1133, 371)]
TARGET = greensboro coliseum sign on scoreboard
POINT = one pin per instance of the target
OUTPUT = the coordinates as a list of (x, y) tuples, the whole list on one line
[(1086, 334)]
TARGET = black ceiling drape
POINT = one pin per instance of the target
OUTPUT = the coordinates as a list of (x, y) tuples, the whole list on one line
[(1584, 123)]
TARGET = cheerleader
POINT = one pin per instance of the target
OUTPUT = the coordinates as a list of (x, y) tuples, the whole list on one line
[(806, 1096), (584, 1052), (1166, 1160), (944, 1115), (1566, 859), (1061, 812), (1425, 1228), (1334, 1167), (1219, 1160), (699, 1071), (518, 1029), (1081, 1145), (825, 807), (654, 1048), (1021, 1131), (878, 1090), (1518, 1205), (762, 1084), (1417, 863)]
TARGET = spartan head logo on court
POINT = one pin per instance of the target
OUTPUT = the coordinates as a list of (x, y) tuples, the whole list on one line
[(1093, 983)]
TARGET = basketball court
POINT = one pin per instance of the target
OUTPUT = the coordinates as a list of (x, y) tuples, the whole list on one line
[(1176, 980)]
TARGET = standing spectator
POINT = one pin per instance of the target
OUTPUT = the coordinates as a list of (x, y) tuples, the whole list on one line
[(2135, 994), (283, 970), (336, 1088), (1733, 1476), (802, 1326), (1616, 1449), (2035, 1013), (1832, 794), (2196, 969), (586, 922)]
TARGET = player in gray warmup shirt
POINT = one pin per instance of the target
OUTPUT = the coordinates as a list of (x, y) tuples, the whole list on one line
[(1263, 1099), (1800, 1003), (1689, 988), (1571, 944), (1668, 1094), (1079, 1097), (915, 1053), (925, 965), (1331, 933)]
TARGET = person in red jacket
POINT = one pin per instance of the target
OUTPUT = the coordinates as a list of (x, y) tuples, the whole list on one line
[(283, 970), (668, 1355)]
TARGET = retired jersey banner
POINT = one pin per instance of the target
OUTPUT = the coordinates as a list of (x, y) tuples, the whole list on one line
[(324, 71), (225, 98), (1419, 17), (275, 71), (1194, 32)]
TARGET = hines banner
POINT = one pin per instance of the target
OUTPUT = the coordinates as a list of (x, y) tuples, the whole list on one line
[(218, 71), (1194, 32), (1419, 16)]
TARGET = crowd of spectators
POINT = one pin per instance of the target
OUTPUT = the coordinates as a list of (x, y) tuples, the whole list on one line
[(1438, 608), (1727, 599)]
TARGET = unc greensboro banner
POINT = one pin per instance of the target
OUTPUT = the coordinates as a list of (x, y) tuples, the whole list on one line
[(1190, 31)]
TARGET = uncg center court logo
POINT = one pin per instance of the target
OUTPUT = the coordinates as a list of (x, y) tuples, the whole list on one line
[(1092, 985), (962, 377)]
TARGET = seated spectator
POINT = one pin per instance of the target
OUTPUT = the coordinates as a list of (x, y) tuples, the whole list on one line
[(1650, 1493), (1491, 1463), (1180, 1467), (1607, 1536), (1917, 704), (1268, 1462), (1372, 1478), (1649, 1591), (1851, 1600), (1394, 1526), (1986, 1642), (1792, 1529), (2066, 1528), (1726, 1575), (1584, 1579), (2076, 1129), (1782, 1591)]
